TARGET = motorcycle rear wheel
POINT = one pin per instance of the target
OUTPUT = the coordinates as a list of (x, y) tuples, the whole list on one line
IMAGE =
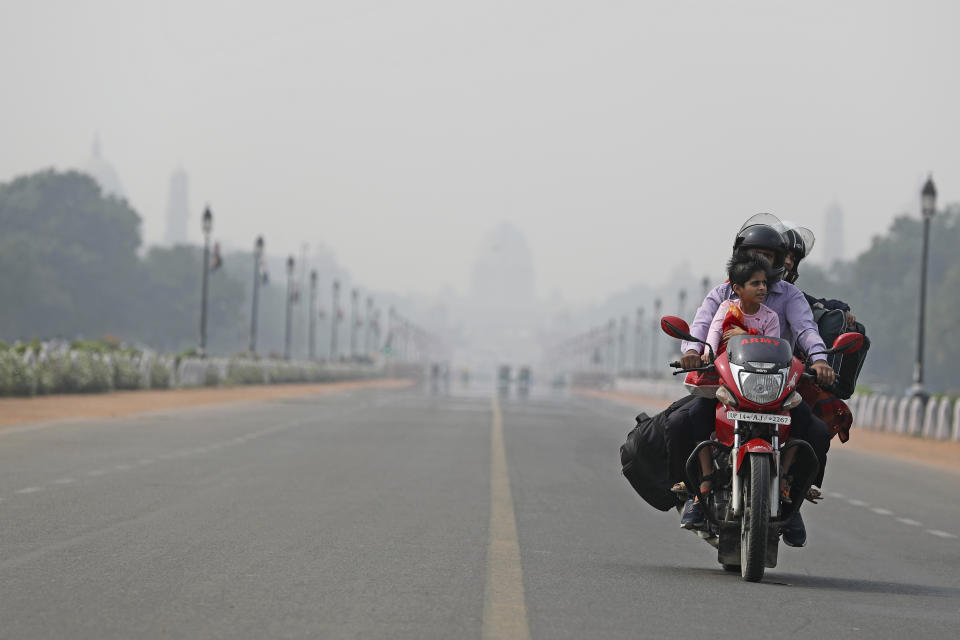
[(756, 519)]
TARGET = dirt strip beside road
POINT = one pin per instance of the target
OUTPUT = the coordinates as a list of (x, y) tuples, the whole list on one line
[(942, 455), (123, 403)]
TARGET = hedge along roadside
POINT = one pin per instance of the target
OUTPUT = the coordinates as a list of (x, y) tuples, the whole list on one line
[(44, 370)]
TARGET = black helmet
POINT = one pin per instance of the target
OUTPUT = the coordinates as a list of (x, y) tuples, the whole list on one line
[(761, 232), (799, 241)]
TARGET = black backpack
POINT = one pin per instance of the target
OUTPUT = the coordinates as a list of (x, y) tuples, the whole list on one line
[(831, 323), (645, 459)]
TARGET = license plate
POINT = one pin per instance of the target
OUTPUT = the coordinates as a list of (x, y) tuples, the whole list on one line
[(758, 417)]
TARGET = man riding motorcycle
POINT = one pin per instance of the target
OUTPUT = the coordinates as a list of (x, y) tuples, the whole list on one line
[(760, 236)]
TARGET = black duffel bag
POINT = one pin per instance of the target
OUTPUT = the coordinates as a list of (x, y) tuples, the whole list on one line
[(830, 324), (645, 458)]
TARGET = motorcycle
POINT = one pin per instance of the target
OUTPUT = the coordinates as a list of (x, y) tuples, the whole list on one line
[(756, 385)]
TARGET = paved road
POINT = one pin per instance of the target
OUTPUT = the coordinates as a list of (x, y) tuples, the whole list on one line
[(401, 514)]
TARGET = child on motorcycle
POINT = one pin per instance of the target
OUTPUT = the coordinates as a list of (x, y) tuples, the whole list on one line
[(744, 315)]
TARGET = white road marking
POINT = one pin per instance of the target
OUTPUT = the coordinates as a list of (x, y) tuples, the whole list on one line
[(64, 481), (96, 472), (29, 490), (912, 523), (834, 494), (940, 534), (881, 511), (859, 503), (146, 461), (123, 467)]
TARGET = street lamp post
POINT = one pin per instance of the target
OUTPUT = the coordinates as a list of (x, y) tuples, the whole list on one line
[(286, 337), (638, 340), (611, 338), (207, 228), (706, 286), (368, 326), (622, 345), (392, 338), (682, 295), (354, 295), (313, 313), (928, 207), (654, 369), (257, 258), (334, 320)]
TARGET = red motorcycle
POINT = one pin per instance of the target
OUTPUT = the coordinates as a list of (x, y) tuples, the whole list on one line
[(755, 383)]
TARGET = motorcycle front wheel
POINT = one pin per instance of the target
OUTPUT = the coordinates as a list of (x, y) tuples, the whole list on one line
[(756, 518)]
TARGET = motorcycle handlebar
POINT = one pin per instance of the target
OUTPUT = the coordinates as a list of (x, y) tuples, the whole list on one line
[(676, 365)]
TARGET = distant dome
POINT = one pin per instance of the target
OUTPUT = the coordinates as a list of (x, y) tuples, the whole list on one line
[(503, 271), (103, 172)]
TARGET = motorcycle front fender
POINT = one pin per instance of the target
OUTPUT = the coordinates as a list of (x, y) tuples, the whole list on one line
[(757, 445)]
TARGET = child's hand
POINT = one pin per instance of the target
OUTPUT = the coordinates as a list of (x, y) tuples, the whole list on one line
[(733, 331)]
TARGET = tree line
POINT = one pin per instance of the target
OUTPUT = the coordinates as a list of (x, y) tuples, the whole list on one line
[(882, 285), (71, 267)]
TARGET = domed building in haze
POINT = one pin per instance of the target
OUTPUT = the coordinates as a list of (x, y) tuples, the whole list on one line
[(502, 312), (503, 272)]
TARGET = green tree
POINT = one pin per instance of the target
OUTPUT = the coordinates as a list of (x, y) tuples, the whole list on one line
[(882, 285), (68, 257)]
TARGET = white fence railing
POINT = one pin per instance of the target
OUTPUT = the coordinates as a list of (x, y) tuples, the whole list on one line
[(937, 420)]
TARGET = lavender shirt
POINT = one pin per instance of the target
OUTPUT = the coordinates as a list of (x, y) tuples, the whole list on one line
[(791, 307)]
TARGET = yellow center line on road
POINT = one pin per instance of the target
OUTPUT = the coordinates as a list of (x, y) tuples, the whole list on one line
[(504, 608)]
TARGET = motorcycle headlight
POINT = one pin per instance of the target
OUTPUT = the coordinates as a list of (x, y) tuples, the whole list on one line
[(760, 388)]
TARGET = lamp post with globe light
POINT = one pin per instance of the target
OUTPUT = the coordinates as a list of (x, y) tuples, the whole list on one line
[(334, 321), (313, 315), (257, 259), (286, 338), (207, 221), (928, 207)]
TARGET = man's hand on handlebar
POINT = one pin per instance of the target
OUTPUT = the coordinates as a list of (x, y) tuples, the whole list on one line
[(691, 360), (825, 373)]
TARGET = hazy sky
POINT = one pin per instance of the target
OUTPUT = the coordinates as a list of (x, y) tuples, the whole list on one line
[(622, 138)]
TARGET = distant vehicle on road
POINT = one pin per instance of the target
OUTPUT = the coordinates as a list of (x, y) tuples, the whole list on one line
[(524, 379), (503, 378)]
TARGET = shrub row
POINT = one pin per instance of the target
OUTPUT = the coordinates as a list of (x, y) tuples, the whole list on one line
[(29, 372)]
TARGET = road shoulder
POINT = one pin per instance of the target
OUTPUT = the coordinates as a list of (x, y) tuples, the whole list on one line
[(16, 411)]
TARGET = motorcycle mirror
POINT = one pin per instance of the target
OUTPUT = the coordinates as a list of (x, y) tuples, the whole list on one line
[(676, 328), (850, 342)]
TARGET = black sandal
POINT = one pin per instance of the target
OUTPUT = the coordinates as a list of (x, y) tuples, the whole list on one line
[(786, 483), (707, 478)]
